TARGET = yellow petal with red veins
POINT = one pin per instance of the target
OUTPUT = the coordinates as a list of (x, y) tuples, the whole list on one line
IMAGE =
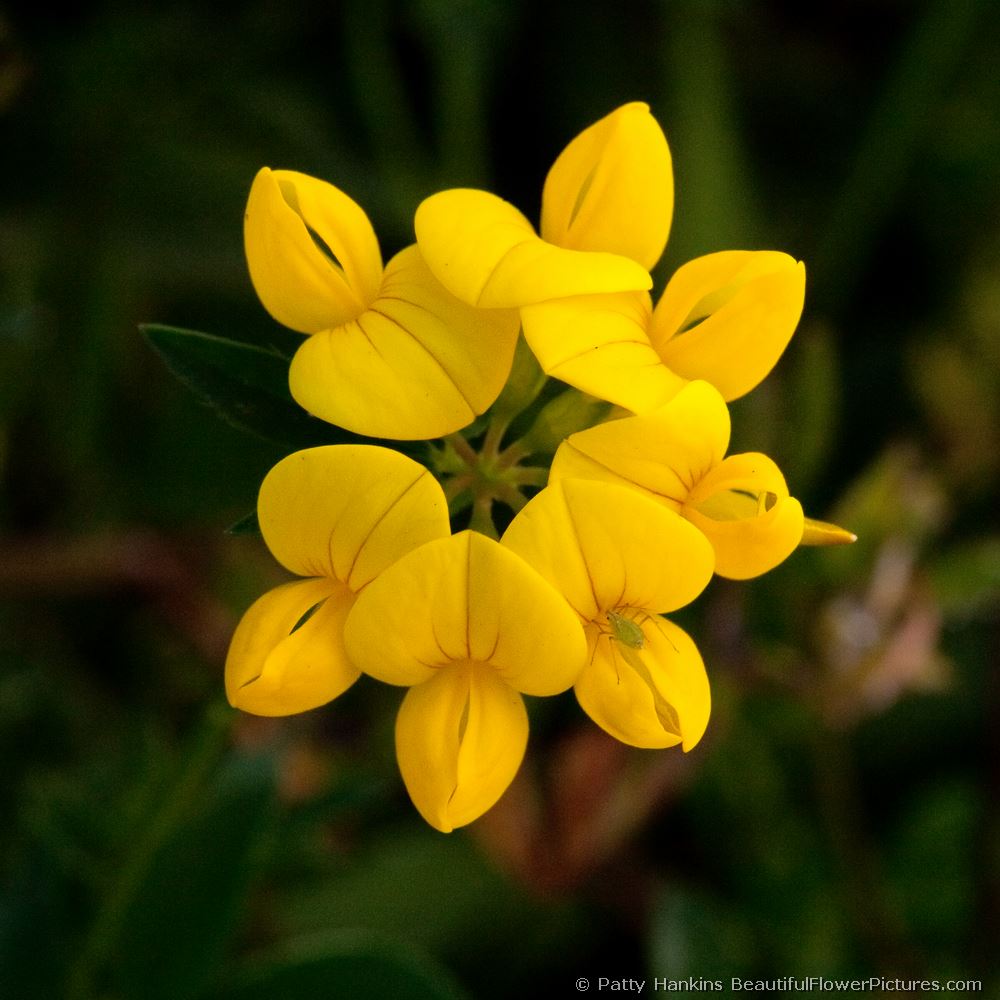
[(603, 546), (662, 453), (485, 252), (600, 345), (312, 253), (416, 364), (348, 511), (466, 598), (653, 697), (744, 509), (287, 654), (460, 738), (612, 188), (727, 317)]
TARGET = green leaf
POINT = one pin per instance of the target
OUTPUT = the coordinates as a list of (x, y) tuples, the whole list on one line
[(247, 525), (248, 387), (357, 964), (184, 914)]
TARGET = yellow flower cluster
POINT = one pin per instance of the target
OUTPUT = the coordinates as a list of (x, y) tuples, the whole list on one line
[(637, 514)]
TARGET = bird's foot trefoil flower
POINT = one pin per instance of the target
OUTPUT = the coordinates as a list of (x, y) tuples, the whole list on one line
[(337, 516), (725, 318), (603, 527), (676, 455), (390, 352), (468, 627), (620, 560)]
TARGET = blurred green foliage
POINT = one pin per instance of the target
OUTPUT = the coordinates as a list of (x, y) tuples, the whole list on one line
[(840, 819)]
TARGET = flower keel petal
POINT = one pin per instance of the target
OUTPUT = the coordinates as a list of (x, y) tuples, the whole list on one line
[(612, 188), (653, 697), (302, 286), (744, 510), (287, 654), (744, 305), (460, 739)]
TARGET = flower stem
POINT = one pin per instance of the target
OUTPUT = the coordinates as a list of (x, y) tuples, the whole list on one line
[(463, 449), (482, 517)]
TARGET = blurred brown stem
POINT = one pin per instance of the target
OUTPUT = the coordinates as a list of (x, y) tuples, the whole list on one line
[(136, 560)]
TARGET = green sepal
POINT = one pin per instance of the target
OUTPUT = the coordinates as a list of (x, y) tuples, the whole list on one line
[(569, 412), (525, 382)]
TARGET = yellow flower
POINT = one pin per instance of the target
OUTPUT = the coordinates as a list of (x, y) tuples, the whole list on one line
[(468, 627), (725, 318), (676, 455), (607, 205), (338, 515), (620, 559), (390, 353)]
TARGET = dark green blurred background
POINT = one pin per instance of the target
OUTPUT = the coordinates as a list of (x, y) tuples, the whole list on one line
[(841, 817)]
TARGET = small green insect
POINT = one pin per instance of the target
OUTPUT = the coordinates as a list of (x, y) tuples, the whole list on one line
[(630, 639), (626, 631)]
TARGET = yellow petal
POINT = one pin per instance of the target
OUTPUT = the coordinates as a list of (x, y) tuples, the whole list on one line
[(745, 306), (416, 364), (281, 662), (600, 344), (750, 472), (744, 509), (460, 738), (662, 453), (824, 533), (656, 696), (466, 598), (485, 252), (298, 283), (612, 188), (603, 546), (348, 511)]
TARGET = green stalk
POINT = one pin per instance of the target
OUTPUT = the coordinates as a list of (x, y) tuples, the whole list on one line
[(99, 944)]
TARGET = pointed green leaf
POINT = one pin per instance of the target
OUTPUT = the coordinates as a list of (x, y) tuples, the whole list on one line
[(247, 525), (248, 387), (191, 901)]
